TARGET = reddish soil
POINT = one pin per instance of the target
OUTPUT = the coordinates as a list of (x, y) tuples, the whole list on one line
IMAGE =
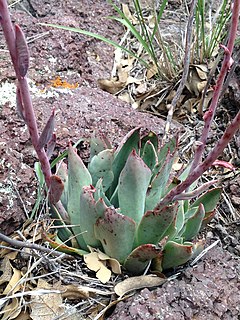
[(208, 290)]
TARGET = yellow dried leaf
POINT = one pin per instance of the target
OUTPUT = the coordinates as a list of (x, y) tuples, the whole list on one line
[(201, 85), (92, 261), (104, 274), (115, 266), (13, 285), (11, 254), (97, 261), (152, 71), (11, 310), (112, 86), (125, 96), (95, 264), (128, 14), (139, 282), (202, 71), (194, 83)]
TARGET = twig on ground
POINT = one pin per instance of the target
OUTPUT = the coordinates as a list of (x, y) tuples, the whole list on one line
[(33, 246), (204, 252)]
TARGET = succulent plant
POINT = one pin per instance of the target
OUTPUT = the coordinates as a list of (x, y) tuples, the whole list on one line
[(115, 203), (127, 202)]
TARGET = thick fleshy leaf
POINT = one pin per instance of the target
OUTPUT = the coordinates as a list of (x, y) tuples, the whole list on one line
[(154, 225), (153, 138), (78, 177), (129, 142), (159, 183), (169, 147), (209, 199), (132, 188), (149, 155), (98, 144), (100, 167), (47, 132), (139, 258), (175, 254), (193, 224), (64, 232), (208, 217), (22, 52), (171, 231), (62, 172), (116, 233), (100, 193), (89, 213), (56, 189), (180, 217)]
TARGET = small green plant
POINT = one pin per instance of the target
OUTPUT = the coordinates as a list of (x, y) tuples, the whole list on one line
[(210, 29), (149, 39), (115, 203)]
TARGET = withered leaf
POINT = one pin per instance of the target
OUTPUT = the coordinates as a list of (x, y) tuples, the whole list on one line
[(139, 282), (47, 133), (56, 189), (22, 52)]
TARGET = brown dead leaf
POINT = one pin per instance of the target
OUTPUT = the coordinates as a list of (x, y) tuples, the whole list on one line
[(112, 86), (202, 71), (128, 14), (11, 310), (10, 254), (23, 316), (73, 292), (46, 306), (196, 83), (13, 285), (6, 269), (139, 282), (152, 71)]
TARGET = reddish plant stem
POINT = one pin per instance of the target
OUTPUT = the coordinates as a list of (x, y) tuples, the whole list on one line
[(30, 119), (209, 115), (200, 169)]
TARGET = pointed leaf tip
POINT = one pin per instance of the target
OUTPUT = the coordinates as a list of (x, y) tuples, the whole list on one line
[(22, 52)]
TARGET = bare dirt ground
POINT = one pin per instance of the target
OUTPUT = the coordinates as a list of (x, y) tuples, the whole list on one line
[(208, 290)]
